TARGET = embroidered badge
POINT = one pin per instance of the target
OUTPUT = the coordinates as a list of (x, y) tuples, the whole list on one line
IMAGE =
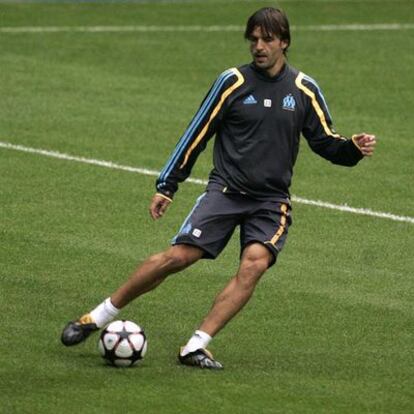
[(289, 103)]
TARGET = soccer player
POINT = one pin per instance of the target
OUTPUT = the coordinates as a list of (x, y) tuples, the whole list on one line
[(257, 113)]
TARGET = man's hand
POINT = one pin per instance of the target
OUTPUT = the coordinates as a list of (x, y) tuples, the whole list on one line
[(365, 142), (159, 205)]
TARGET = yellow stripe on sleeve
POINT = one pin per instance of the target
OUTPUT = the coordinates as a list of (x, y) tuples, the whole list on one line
[(226, 93), (316, 106)]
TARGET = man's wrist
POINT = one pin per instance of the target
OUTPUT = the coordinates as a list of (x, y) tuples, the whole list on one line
[(355, 141), (166, 194)]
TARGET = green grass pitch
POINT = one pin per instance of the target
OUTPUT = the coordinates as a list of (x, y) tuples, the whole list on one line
[(330, 327)]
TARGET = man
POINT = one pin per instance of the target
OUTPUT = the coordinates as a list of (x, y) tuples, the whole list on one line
[(257, 112)]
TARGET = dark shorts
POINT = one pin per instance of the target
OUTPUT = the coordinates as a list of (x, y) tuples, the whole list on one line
[(217, 213)]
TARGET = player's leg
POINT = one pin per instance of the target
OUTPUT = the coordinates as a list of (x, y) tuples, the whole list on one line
[(146, 277), (254, 262), (154, 271), (262, 236)]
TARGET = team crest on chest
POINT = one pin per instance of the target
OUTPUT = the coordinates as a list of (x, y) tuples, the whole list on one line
[(289, 103)]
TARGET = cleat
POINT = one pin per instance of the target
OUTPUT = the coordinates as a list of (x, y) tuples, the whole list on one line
[(77, 331), (202, 358)]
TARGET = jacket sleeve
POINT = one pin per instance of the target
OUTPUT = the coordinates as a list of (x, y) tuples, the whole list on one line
[(202, 127), (318, 129)]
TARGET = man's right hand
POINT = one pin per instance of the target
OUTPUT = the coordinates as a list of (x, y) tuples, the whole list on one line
[(159, 205)]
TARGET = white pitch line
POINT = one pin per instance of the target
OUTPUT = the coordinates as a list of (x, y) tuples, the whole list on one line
[(198, 28), (145, 171), (355, 27)]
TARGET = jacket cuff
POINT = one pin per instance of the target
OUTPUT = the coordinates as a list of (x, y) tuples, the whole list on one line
[(355, 150), (355, 143), (168, 195)]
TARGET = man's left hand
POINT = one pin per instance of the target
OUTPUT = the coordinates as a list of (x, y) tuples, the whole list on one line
[(366, 143)]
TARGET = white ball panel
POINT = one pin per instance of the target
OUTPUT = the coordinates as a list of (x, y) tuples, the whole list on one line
[(122, 362), (101, 347), (137, 341), (123, 350), (115, 326), (132, 327), (110, 340)]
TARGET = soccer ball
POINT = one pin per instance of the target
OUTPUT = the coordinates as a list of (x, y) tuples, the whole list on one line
[(122, 343)]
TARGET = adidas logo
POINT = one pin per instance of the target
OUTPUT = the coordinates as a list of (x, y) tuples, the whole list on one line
[(250, 100)]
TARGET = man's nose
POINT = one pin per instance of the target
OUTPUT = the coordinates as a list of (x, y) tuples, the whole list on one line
[(259, 44)]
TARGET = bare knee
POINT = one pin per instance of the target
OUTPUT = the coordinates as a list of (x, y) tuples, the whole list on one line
[(178, 257), (255, 266), (254, 263), (250, 272)]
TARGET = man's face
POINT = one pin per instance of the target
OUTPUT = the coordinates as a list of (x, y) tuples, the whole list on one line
[(267, 51)]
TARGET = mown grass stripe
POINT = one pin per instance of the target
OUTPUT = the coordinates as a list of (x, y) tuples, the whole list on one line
[(200, 28), (149, 172)]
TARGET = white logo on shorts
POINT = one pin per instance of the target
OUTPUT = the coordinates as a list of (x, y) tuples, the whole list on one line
[(197, 233), (267, 103)]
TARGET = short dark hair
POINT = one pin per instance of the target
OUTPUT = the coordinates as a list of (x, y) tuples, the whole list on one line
[(271, 21)]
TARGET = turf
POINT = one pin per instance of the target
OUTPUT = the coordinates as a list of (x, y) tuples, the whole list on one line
[(329, 329)]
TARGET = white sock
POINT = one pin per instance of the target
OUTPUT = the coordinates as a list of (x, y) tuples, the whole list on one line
[(104, 313), (199, 340)]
